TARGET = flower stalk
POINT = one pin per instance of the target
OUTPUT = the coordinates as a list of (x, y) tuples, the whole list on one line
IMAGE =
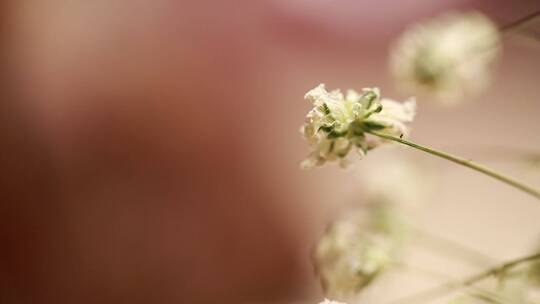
[(468, 282), (464, 162), (519, 23)]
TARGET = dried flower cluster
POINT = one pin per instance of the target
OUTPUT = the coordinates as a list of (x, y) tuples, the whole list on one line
[(448, 57), (355, 250), (338, 125)]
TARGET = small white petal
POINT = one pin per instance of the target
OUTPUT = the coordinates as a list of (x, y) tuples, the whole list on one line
[(326, 301), (316, 93)]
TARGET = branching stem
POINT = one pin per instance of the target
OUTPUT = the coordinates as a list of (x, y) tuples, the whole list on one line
[(440, 290)]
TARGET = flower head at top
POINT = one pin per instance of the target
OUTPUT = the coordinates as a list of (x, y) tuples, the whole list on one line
[(448, 57), (339, 125)]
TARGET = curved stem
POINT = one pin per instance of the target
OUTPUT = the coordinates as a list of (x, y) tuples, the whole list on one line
[(452, 249), (518, 23), (475, 292), (467, 163), (437, 291)]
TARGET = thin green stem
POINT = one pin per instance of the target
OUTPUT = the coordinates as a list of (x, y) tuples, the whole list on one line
[(474, 291), (438, 291), (452, 249), (520, 22), (467, 163)]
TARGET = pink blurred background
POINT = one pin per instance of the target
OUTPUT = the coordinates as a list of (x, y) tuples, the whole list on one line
[(150, 149)]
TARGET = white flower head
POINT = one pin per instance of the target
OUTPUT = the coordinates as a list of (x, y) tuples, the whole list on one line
[(326, 301), (355, 250), (337, 127), (448, 57)]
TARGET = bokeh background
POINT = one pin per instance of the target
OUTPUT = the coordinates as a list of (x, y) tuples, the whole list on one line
[(149, 150)]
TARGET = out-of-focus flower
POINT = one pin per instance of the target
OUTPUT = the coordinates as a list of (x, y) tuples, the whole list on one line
[(448, 57), (326, 301), (354, 250), (337, 124)]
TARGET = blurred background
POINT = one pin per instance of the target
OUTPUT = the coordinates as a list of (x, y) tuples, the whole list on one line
[(149, 150)]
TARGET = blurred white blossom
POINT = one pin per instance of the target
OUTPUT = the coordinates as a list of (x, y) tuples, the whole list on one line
[(355, 250), (447, 58), (326, 301), (336, 126)]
